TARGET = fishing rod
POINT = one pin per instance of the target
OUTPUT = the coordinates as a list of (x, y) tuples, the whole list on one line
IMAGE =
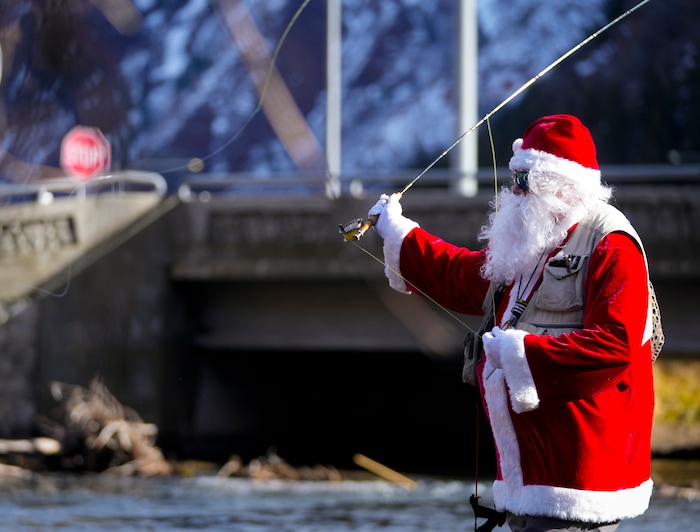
[(355, 229)]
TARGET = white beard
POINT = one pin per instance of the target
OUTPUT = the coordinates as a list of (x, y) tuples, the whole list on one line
[(521, 229)]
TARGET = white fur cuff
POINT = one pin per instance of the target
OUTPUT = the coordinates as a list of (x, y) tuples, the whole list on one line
[(521, 385), (394, 234)]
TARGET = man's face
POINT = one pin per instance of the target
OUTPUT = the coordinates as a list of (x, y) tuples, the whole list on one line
[(525, 225)]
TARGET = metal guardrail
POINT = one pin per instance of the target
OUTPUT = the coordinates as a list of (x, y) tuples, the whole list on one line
[(45, 191), (204, 186), (54, 225)]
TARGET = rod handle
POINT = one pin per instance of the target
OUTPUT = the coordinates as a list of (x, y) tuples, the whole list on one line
[(371, 220)]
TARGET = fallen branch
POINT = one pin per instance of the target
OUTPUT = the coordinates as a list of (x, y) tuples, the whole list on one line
[(45, 446), (383, 471), (98, 433)]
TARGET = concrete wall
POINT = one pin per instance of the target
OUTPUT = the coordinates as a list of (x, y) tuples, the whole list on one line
[(111, 320)]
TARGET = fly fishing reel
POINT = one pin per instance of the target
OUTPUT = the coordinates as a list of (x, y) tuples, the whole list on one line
[(355, 229)]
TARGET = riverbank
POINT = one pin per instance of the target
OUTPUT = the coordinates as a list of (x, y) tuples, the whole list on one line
[(676, 426)]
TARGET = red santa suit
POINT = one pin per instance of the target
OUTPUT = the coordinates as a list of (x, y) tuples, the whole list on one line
[(571, 413)]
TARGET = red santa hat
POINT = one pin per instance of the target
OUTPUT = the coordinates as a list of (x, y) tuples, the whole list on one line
[(557, 144)]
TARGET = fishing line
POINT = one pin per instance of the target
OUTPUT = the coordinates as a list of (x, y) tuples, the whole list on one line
[(54, 293), (493, 161), (495, 190), (421, 292), (261, 98)]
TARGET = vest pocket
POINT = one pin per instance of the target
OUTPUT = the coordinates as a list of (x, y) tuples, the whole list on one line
[(562, 286)]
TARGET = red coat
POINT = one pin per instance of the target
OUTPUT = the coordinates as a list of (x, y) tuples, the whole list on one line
[(583, 451)]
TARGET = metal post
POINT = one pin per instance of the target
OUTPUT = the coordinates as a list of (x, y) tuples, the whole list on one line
[(333, 96), (465, 160)]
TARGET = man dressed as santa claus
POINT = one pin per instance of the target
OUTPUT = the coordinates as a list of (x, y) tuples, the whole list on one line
[(566, 379)]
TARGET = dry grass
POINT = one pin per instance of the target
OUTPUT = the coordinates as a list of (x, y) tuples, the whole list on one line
[(677, 413)]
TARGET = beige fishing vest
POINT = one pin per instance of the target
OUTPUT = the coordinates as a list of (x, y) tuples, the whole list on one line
[(557, 305)]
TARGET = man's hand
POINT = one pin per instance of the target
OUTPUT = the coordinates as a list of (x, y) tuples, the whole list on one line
[(493, 344), (505, 344), (390, 214), (378, 207)]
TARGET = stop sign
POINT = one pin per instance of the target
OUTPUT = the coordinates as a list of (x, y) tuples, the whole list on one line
[(85, 153)]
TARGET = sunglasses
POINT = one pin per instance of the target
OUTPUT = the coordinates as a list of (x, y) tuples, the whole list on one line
[(521, 179)]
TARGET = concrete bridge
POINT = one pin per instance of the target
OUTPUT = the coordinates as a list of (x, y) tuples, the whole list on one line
[(234, 316)]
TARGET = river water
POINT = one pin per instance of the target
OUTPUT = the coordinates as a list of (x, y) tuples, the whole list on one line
[(95, 503)]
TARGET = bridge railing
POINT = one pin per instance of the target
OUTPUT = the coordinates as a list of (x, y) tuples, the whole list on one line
[(57, 226), (203, 186), (44, 192)]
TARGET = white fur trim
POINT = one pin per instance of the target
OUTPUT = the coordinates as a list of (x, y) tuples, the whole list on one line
[(548, 163), (563, 503), (504, 435), (649, 326), (521, 384), (572, 504), (394, 234)]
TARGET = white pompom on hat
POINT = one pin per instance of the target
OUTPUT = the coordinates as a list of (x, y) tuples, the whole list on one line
[(557, 144)]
